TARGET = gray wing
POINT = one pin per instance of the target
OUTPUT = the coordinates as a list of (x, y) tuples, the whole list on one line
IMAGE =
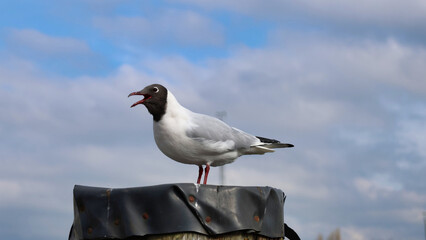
[(207, 128)]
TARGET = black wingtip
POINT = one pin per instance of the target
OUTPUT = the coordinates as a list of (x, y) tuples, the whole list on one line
[(267, 140), (274, 141)]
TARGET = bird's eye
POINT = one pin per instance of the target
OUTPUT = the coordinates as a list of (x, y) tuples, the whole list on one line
[(155, 89)]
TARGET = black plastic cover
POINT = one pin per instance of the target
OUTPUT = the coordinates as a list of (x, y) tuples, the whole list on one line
[(107, 213)]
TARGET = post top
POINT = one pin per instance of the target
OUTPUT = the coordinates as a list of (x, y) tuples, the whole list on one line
[(119, 213)]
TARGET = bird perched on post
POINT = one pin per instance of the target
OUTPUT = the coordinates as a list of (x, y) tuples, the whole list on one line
[(198, 139)]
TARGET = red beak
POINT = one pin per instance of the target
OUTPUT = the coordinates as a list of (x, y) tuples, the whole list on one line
[(146, 97)]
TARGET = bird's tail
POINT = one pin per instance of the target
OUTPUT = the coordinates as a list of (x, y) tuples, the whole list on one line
[(267, 145)]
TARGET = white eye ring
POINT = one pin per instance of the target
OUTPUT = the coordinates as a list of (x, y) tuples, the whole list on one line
[(156, 90)]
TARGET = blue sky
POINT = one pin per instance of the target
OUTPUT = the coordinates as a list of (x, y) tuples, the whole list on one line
[(343, 81)]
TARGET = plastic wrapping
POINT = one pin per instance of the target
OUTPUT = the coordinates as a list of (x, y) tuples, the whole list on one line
[(106, 213)]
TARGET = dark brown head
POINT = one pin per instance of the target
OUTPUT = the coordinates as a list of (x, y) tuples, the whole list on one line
[(155, 100)]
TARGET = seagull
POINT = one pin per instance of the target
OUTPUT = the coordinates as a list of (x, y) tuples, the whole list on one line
[(194, 138)]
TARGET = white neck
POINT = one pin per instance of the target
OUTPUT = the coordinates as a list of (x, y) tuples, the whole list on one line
[(173, 107)]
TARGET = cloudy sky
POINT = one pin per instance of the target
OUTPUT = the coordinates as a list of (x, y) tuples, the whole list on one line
[(344, 81)]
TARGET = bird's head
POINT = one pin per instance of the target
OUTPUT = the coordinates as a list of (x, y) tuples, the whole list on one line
[(153, 94), (154, 99)]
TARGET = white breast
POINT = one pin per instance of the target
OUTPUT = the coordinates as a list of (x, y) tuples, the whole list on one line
[(171, 138)]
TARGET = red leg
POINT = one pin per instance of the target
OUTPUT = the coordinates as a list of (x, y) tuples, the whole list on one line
[(200, 172), (206, 173)]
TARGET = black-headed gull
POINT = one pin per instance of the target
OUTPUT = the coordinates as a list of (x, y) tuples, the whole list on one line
[(194, 138)]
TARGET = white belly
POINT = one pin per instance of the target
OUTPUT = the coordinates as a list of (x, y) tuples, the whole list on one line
[(175, 144)]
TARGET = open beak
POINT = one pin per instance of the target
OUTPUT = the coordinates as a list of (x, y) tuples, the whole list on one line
[(145, 97)]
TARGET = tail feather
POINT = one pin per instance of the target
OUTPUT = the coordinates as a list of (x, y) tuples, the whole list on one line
[(262, 149), (267, 145)]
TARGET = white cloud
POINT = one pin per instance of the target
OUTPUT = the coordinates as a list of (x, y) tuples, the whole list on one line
[(50, 53), (33, 40), (382, 13), (379, 12), (173, 27), (364, 233), (413, 132), (12, 189), (378, 187), (352, 233)]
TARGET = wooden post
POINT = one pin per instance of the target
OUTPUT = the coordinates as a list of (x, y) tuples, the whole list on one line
[(178, 211)]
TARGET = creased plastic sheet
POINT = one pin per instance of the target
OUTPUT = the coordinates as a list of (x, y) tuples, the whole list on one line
[(120, 213)]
